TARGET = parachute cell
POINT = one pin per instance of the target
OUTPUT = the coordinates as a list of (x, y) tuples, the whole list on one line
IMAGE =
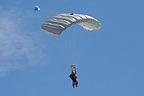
[(57, 24)]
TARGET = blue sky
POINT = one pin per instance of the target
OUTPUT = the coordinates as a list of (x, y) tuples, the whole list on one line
[(109, 62)]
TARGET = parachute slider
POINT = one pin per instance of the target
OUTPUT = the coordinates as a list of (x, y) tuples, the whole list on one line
[(73, 66)]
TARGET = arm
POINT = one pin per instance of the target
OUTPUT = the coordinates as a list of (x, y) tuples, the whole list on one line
[(75, 71)]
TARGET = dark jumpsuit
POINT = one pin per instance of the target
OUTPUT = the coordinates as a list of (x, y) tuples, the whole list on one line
[(73, 77)]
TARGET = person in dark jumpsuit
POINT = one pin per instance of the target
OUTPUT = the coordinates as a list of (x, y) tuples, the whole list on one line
[(74, 78)]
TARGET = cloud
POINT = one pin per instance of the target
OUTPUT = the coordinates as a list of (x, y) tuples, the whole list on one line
[(18, 47)]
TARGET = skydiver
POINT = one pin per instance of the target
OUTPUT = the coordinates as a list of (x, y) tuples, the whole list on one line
[(73, 78)]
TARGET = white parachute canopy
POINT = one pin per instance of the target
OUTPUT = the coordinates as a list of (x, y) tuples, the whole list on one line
[(57, 24)]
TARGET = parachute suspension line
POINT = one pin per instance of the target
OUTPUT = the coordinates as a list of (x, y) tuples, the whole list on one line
[(73, 45), (70, 46), (76, 42), (67, 45), (64, 47), (61, 46), (72, 42)]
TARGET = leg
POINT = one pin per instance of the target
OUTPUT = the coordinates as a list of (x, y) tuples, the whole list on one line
[(73, 84), (76, 83)]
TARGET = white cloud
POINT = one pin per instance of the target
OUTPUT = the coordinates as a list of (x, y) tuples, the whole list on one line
[(17, 47)]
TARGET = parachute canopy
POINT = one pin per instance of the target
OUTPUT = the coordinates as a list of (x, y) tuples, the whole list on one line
[(57, 24)]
